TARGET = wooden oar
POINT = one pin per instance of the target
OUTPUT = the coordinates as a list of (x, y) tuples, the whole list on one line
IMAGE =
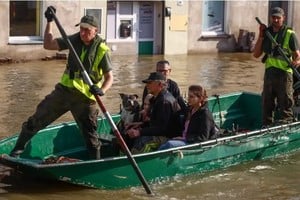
[(88, 81), (280, 50)]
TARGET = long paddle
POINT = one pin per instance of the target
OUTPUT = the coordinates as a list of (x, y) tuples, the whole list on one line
[(280, 50), (88, 81)]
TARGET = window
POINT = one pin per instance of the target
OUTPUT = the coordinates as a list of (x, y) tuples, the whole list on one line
[(24, 22), (125, 8), (120, 20), (213, 18), (125, 28), (111, 19), (97, 13)]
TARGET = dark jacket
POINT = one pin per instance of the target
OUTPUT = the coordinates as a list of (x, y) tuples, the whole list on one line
[(164, 116), (202, 126), (175, 91)]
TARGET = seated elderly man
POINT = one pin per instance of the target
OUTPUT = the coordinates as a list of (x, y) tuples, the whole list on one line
[(164, 117), (164, 67)]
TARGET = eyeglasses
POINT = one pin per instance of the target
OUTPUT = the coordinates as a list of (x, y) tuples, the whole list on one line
[(162, 70)]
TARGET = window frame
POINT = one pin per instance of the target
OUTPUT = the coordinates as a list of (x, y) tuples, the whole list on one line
[(119, 18), (38, 39), (100, 28), (215, 34)]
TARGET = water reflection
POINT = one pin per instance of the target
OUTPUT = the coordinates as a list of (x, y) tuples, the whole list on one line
[(23, 85)]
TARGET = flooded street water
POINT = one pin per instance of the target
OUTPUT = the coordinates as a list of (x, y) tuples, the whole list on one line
[(23, 85)]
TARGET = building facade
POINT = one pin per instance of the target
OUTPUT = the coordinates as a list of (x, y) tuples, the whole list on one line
[(142, 27)]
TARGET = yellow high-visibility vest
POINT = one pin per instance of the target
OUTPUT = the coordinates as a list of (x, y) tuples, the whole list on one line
[(279, 61), (95, 74)]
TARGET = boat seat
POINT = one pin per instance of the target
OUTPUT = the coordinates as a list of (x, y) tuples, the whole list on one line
[(106, 138)]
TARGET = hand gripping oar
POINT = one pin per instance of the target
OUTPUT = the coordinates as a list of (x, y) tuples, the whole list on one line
[(105, 112), (280, 50)]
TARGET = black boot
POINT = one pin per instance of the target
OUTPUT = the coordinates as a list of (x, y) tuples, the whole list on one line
[(20, 144), (94, 154), (98, 154)]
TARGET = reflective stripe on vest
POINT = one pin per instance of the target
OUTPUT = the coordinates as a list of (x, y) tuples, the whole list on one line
[(95, 74), (278, 61)]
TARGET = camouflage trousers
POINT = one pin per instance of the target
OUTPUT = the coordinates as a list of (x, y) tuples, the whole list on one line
[(58, 102), (146, 144), (277, 96)]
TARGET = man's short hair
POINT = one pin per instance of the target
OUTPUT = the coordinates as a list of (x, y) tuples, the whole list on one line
[(162, 62)]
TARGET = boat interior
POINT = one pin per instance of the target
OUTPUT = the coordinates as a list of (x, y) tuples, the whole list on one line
[(234, 113)]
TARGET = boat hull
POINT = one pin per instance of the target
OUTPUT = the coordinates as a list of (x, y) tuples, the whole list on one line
[(114, 172)]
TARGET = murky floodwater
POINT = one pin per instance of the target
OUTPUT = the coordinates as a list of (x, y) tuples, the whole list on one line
[(23, 85)]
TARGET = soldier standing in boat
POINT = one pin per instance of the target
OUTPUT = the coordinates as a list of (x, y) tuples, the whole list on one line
[(72, 93), (278, 79)]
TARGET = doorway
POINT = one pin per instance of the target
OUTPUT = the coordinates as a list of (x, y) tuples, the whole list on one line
[(150, 28)]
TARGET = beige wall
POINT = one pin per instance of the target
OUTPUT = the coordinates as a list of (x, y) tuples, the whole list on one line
[(296, 17), (176, 37), (238, 15), (4, 16)]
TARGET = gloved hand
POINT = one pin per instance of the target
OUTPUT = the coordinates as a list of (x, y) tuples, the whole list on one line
[(95, 90), (49, 14), (262, 30)]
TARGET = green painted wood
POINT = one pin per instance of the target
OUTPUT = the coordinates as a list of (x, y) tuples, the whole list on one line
[(145, 47)]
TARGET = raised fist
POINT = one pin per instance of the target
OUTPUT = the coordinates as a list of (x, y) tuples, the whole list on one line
[(262, 30), (49, 13)]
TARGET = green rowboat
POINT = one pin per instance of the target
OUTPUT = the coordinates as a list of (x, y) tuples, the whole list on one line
[(237, 113)]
